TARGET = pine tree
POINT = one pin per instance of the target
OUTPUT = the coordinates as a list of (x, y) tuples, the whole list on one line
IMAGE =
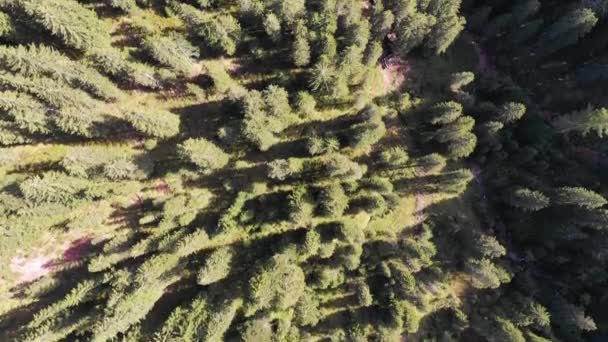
[(333, 201), (584, 121), (444, 33), (300, 51), (484, 274), (76, 26), (217, 266), (306, 103), (272, 26), (527, 199), (171, 51), (445, 112), (51, 187), (159, 124), (277, 285), (26, 112), (412, 30), (566, 31), (322, 76), (220, 32), (511, 112), (203, 154), (578, 196), (115, 65)]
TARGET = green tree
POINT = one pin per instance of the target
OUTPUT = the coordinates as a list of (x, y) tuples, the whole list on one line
[(76, 26), (527, 199), (277, 285), (566, 31), (203, 154), (445, 112), (51, 187), (487, 246), (171, 51), (159, 124), (322, 75), (485, 274), (221, 32), (585, 121), (578, 196), (306, 103), (511, 112), (333, 200), (300, 51), (217, 266), (412, 30), (35, 61), (272, 26)]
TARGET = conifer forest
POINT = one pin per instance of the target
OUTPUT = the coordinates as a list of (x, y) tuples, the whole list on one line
[(304, 170)]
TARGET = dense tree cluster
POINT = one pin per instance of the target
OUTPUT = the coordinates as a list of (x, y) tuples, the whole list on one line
[(332, 170)]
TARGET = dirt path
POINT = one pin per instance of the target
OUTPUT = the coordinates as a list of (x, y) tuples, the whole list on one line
[(28, 268)]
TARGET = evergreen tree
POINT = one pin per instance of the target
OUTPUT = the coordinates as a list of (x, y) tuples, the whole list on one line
[(527, 199), (566, 31), (511, 112), (333, 200), (203, 154), (171, 51), (217, 266), (413, 29), (584, 121), (76, 26), (34, 61), (272, 26), (160, 124), (578, 196)]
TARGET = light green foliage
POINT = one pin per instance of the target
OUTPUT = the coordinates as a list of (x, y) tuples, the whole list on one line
[(113, 63), (220, 32), (578, 196), (306, 103), (489, 247), (333, 201), (511, 112), (158, 123), (446, 30), (129, 310), (307, 309), (413, 29), (485, 274), (393, 157), (127, 6), (322, 76), (34, 61), (272, 26), (171, 51), (51, 187), (265, 114), (76, 26), (217, 266), (445, 112), (203, 153), (276, 285), (430, 164), (300, 51), (461, 79), (256, 330), (7, 26), (26, 112), (76, 296), (584, 121), (527, 199)]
